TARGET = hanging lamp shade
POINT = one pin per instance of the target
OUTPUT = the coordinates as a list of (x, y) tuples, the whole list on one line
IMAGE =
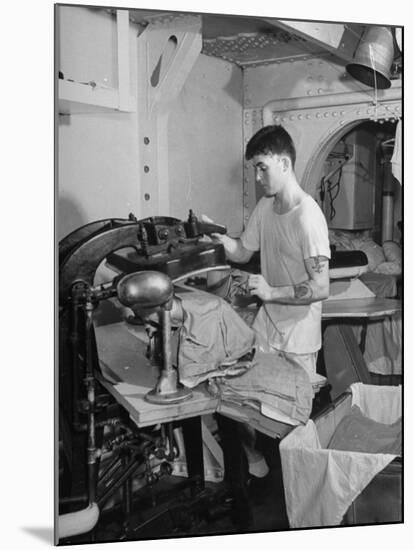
[(373, 58)]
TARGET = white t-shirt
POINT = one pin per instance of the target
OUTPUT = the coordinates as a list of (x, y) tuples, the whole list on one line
[(285, 241)]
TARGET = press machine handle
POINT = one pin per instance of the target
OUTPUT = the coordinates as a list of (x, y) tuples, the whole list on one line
[(194, 227)]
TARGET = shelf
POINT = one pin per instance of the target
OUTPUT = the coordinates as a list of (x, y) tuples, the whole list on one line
[(78, 97), (72, 95)]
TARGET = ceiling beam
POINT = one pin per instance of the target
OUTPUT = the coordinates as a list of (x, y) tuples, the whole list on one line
[(339, 39)]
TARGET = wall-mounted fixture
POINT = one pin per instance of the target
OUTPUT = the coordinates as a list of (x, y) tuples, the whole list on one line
[(373, 58)]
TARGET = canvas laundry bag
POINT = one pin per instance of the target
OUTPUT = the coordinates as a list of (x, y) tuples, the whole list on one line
[(320, 483)]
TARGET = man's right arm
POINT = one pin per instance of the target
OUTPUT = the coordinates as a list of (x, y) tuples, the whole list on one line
[(235, 251)]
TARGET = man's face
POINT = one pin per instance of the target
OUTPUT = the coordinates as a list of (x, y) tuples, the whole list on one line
[(269, 172)]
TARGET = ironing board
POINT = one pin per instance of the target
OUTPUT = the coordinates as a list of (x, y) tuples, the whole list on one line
[(128, 376), (342, 353)]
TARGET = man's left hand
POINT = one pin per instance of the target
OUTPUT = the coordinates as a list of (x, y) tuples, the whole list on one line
[(259, 287)]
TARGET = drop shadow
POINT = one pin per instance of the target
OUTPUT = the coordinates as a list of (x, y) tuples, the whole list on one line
[(44, 534)]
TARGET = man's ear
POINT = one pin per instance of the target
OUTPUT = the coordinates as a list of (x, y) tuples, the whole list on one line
[(286, 163)]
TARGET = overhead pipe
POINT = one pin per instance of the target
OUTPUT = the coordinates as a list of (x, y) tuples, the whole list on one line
[(323, 101), (387, 225)]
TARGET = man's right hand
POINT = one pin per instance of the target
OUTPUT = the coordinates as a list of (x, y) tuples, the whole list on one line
[(215, 236), (234, 249)]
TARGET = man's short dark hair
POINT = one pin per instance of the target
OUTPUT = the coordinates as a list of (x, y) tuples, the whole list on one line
[(273, 140)]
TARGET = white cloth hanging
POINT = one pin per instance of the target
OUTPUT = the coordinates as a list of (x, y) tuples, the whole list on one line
[(397, 154)]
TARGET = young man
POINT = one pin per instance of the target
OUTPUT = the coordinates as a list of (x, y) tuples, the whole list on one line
[(290, 230)]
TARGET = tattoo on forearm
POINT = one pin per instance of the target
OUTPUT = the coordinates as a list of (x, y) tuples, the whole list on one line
[(318, 263), (303, 291)]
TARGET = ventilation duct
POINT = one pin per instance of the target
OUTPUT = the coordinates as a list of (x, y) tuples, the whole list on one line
[(373, 58)]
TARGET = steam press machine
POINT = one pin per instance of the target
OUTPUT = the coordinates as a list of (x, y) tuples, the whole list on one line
[(154, 254)]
